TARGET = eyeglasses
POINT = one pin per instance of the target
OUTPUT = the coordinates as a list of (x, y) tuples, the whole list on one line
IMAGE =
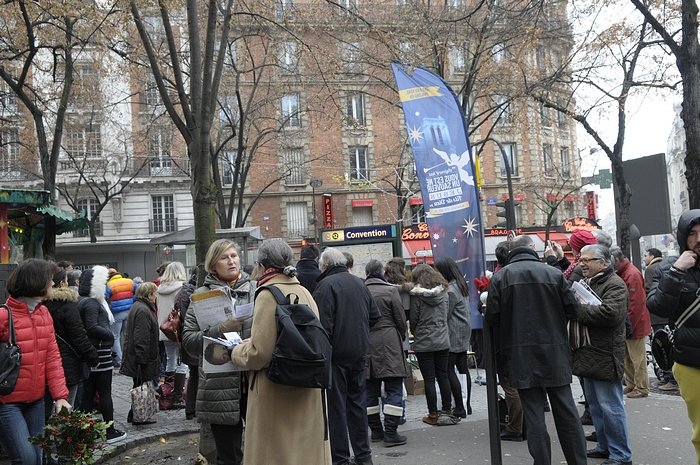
[(587, 260)]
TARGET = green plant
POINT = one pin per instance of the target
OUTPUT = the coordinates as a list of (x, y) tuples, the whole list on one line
[(74, 435)]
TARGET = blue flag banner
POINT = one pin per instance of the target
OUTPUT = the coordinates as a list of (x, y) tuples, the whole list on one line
[(445, 170)]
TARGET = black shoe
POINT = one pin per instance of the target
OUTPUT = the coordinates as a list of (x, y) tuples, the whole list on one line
[(597, 454), (365, 461), (510, 436), (593, 437), (469, 409), (114, 435), (616, 462), (139, 423), (586, 419), (189, 415), (459, 413)]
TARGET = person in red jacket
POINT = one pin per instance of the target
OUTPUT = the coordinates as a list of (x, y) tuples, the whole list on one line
[(22, 411), (636, 375)]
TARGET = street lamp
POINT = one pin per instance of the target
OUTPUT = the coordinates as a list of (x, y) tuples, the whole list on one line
[(315, 184), (510, 204)]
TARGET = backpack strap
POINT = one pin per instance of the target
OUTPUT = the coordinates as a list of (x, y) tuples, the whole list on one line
[(276, 293), (11, 340)]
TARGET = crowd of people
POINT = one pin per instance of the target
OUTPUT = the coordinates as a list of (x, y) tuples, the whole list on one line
[(75, 329)]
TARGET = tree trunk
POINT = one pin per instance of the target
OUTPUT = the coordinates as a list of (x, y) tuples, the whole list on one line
[(687, 61), (203, 198), (623, 196)]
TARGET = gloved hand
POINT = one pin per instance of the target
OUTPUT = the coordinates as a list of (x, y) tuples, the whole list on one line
[(227, 326)]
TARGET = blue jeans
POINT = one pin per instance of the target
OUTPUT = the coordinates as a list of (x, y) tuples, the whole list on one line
[(118, 328), (19, 422), (605, 400)]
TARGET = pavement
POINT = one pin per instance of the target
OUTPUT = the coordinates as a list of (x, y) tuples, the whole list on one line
[(658, 424)]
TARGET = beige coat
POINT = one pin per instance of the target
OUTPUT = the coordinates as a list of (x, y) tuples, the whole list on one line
[(284, 424)]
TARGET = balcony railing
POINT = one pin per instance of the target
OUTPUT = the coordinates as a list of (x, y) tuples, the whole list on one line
[(162, 225)]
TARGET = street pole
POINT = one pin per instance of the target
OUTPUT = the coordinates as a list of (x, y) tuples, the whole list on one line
[(315, 183), (510, 219)]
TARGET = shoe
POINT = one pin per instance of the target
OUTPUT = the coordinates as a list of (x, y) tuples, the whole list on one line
[(139, 423), (431, 418), (597, 454), (616, 462), (635, 394), (189, 415), (586, 419), (469, 409), (366, 461), (593, 437), (459, 413), (511, 436), (402, 421), (445, 418), (670, 386), (627, 390), (114, 435)]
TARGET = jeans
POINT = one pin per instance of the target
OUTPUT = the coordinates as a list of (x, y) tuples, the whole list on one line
[(171, 352), (605, 400), (347, 411), (118, 328), (19, 422), (393, 402), (433, 365)]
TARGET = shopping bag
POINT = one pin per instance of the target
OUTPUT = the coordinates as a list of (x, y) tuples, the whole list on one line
[(144, 403)]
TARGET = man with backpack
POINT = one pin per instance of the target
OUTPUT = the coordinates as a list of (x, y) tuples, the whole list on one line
[(347, 311)]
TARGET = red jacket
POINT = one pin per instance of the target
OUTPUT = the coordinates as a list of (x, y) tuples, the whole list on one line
[(41, 359), (637, 308)]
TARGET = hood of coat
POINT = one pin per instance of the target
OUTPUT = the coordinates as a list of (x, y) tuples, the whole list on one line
[(169, 287), (430, 296), (64, 294), (242, 286), (687, 220), (93, 282)]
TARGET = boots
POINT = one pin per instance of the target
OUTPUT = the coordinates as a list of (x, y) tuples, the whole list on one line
[(179, 386), (375, 424), (431, 418), (391, 437)]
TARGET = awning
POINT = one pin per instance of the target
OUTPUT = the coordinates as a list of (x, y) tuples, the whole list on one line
[(186, 236), (418, 251), (65, 221)]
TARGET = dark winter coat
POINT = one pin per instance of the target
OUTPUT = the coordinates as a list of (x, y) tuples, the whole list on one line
[(673, 291), (603, 359), (458, 319), (141, 357), (182, 303), (72, 339), (428, 319), (386, 357), (649, 272), (529, 304), (347, 311), (219, 395), (308, 273), (92, 293)]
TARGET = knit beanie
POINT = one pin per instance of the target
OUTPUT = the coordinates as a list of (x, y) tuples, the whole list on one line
[(581, 238)]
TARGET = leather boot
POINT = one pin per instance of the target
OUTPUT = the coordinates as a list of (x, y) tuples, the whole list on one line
[(391, 437), (169, 377), (431, 418), (179, 386), (375, 424)]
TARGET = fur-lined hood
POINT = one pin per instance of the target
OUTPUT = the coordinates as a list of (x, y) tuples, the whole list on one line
[(65, 294), (93, 283), (418, 290)]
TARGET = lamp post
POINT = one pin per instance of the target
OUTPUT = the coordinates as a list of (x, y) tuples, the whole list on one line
[(315, 184), (510, 205)]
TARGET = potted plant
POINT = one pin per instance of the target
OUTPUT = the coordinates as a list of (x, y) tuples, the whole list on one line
[(74, 436)]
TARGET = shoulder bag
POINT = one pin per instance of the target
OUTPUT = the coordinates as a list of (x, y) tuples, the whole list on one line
[(172, 326), (10, 358), (662, 340)]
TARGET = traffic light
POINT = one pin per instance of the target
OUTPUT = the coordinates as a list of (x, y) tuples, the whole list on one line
[(503, 212)]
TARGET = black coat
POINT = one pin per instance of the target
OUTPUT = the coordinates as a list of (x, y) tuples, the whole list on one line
[(308, 273), (529, 304), (71, 336), (141, 356), (386, 357), (182, 303), (673, 291), (347, 311)]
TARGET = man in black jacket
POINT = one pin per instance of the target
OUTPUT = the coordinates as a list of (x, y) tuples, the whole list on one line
[(529, 304), (347, 311), (307, 267)]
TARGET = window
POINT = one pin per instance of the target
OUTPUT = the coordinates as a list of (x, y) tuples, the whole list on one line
[(455, 3), (228, 111), (163, 211), (8, 99), (297, 219), (291, 118), (284, 7), (159, 152), (9, 154), (518, 210), (499, 52), (84, 142), (565, 162), (288, 60), (350, 5), (504, 109), (294, 167), (350, 55), (362, 216), (359, 164), (458, 61), (356, 109), (569, 210), (540, 57), (228, 167), (512, 156), (417, 214), (562, 119), (547, 159), (544, 116), (90, 207)]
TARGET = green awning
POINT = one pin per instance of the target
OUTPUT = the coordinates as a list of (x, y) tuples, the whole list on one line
[(65, 221)]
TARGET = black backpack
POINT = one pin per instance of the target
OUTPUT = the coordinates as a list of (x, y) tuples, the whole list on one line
[(302, 355)]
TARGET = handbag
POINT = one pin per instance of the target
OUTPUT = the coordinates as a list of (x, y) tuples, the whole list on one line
[(662, 340), (144, 403), (172, 326), (10, 358)]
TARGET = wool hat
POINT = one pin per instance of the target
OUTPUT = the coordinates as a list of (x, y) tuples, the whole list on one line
[(581, 238)]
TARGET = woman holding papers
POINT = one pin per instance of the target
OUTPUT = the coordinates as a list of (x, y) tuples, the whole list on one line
[(222, 305), (141, 356), (285, 424)]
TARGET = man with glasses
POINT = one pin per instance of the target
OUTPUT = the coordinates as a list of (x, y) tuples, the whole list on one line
[(600, 363)]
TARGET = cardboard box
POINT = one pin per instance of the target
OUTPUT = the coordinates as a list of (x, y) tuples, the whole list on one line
[(414, 382)]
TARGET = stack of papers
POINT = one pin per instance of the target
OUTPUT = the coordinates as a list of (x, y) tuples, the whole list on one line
[(585, 294), (229, 340)]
